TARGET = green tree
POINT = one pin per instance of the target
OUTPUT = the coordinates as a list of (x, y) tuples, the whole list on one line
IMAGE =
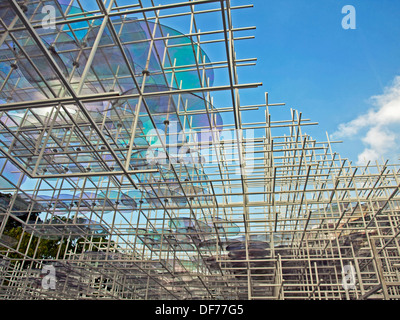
[(32, 246)]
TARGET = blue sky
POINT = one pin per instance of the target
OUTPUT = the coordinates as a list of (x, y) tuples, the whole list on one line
[(307, 60)]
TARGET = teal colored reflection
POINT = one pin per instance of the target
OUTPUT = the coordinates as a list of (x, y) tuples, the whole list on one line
[(160, 196), (165, 107), (189, 225), (68, 50), (61, 201), (133, 34), (224, 227), (40, 61), (115, 197)]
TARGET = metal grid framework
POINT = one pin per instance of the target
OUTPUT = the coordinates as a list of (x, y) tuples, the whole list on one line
[(231, 210)]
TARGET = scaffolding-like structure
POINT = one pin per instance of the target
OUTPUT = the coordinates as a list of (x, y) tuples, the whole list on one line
[(122, 177)]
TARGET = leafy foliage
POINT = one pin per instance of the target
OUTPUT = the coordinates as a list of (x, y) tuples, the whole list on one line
[(39, 248)]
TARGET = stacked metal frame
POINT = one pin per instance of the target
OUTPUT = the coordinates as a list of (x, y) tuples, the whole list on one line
[(121, 176)]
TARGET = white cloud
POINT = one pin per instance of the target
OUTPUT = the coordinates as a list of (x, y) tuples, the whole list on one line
[(376, 127)]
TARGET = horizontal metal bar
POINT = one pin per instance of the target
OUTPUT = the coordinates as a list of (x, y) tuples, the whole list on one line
[(55, 101)]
